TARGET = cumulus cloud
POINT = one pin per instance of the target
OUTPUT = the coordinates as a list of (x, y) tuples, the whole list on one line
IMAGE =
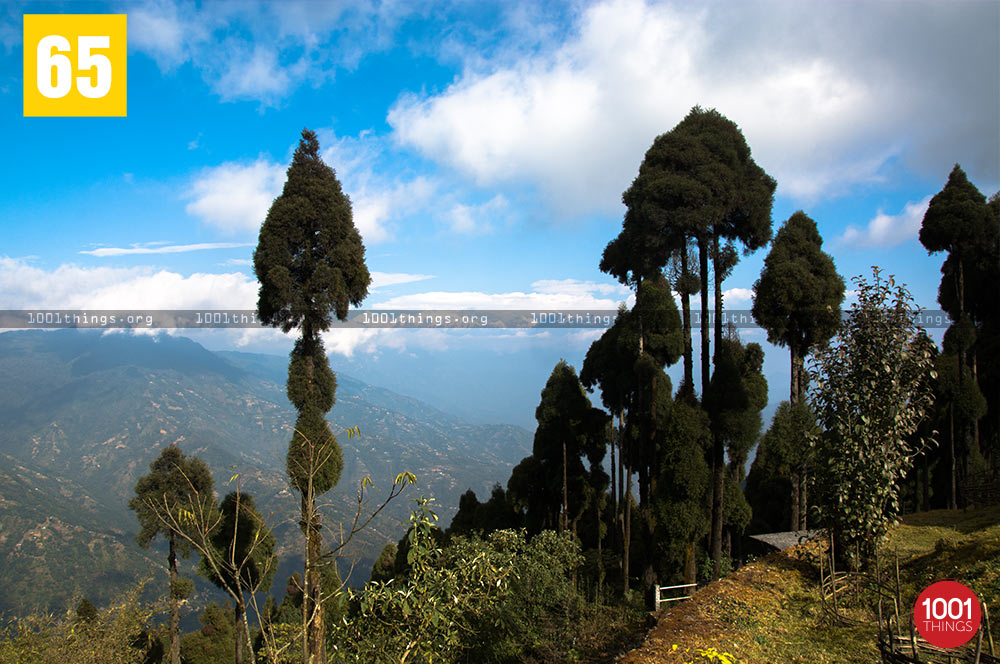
[(161, 248), (885, 230), (25, 286), (235, 197), (827, 95), (734, 296)]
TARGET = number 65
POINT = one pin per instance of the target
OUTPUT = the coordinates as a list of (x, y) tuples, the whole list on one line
[(86, 60)]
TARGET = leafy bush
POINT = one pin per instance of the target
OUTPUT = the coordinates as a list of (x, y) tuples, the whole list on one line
[(535, 620), (426, 615), (115, 635)]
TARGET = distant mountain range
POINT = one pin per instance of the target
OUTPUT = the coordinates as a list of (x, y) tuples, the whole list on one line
[(82, 414)]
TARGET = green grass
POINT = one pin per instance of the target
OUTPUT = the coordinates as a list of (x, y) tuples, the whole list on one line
[(770, 611)]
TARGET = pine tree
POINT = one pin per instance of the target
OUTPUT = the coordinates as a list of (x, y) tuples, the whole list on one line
[(310, 262), (959, 221), (175, 482), (797, 300), (569, 430)]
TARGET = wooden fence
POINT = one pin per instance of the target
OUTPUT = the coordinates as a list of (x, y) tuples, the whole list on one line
[(658, 597)]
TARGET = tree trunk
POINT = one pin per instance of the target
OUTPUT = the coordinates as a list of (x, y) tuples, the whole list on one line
[(703, 269), (312, 605), (953, 498), (686, 321), (628, 525), (717, 288), (314, 647), (804, 499), (613, 531), (794, 520), (690, 564), (175, 611), (239, 634), (600, 550), (719, 468), (795, 394), (565, 499), (620, 515)]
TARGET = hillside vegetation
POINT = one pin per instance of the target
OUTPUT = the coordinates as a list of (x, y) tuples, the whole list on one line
[(771, 610)]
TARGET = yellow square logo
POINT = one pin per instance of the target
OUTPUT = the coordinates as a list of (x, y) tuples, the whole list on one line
[(75, 65)]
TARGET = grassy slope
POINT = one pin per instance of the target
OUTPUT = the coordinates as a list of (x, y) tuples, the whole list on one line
[(770, 611)]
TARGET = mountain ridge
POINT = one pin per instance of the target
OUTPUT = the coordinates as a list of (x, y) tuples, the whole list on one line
[(88, 412)]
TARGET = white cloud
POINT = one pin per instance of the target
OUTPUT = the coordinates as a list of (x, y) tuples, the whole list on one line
[(386, 279), (732, 296), (306, 41), (579, 288), (168, 31), (477, 219), (168, 249), (235, 197), (573, 295), (379, 201), (253, 74), (886, 230), (24, 286), (819, 112)]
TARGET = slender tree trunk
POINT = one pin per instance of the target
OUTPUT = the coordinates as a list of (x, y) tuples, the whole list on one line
[(613, 531), (690, 564), (953, 498), (717, 288), (600, 550), (314, 648), (719, 468), (703, 269), (565, 498), (686, 320), (175, 610), (795, 394), (312, 605), (975, 379), (620, 515), (804, 500), (240, 636), (628, 525), (964, 427), (795, 480)]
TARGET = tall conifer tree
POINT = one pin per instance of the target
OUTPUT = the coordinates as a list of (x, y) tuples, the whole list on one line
[(310, 262), (959, 221), (797, 300)]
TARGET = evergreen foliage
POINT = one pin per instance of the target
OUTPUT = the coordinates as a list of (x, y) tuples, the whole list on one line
[(310, 263), (175, 483), (797, 298), (784, 448), (569, 431)]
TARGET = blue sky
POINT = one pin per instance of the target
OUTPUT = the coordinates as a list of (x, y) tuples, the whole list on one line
[(485, 147)]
